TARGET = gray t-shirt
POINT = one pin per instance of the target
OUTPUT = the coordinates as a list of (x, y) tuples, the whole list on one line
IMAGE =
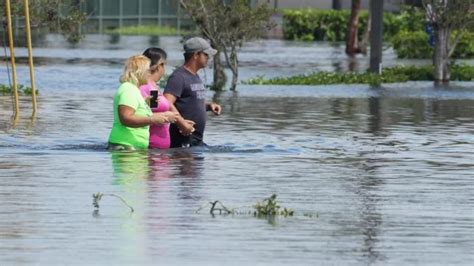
[(190, 98)]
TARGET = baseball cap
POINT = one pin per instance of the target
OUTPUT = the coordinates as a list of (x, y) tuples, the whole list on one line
[(198, 44)]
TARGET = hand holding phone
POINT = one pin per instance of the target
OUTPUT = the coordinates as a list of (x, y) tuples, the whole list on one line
[(153, 98)]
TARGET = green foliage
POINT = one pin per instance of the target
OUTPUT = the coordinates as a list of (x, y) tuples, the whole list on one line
[(409, 19), (389, 75), (323, 78), (228, 25), (163, 81), (62, 16), (331, 25), (409, 44), (270, 207), (22, 90), (462, 72), (147, 30), (465, 47), (267, 208), (315, 25)]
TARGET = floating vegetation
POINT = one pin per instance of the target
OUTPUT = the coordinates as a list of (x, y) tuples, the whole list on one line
[(268, 207), (459, 72), (98, 196), (22, 90)]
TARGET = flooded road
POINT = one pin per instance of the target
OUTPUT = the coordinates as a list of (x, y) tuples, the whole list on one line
[(374, 175)]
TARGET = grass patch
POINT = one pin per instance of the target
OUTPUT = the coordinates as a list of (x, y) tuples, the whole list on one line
[(389, 75), (147, 30)]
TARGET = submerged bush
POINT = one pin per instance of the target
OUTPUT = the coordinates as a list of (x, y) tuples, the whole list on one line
[(389, 75), (22, 90)]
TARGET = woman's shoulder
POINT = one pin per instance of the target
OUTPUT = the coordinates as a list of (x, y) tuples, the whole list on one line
[(127, 85), (129, 89)]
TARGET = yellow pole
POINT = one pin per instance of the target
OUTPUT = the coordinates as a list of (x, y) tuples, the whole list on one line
[(30, 56), (12, 55)]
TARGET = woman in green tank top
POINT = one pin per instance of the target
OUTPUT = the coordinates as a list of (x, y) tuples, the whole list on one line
[(132, 115)]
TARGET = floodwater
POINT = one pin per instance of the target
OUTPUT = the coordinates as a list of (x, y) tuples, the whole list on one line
[(374, 175)]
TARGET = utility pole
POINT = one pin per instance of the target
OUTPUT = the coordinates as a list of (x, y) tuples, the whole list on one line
[(376, 40)]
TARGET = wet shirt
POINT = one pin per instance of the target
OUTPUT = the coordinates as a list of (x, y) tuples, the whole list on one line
[(129, 95), (190, 99), (159, 134)]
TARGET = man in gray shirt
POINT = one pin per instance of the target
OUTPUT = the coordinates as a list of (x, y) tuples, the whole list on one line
[(186, 91)]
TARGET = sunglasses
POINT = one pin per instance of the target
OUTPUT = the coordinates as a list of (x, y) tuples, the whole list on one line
[(155, 67)]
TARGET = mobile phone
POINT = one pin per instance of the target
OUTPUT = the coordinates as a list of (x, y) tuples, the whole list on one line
[(153, 99)]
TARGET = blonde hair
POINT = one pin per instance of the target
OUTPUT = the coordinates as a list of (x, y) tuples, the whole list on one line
[(136, 70)]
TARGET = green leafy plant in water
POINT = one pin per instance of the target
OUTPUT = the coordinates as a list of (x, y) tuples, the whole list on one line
[(96, 197), (267, 208), (270, 207), (459, 72)]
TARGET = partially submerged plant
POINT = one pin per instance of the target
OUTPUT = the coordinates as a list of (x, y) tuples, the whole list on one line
[(21, 89), (269, 207), (96, 197)]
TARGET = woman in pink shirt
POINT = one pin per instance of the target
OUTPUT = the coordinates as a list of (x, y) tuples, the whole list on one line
[(159, 134)]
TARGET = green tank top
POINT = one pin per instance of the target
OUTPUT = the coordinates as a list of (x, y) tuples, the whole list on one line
[(129, 95)]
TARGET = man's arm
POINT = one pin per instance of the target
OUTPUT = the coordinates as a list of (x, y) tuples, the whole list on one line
[(186, 127)]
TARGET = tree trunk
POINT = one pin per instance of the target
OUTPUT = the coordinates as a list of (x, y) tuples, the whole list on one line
[(220, 78), (336, 4), (234, 68), (364, 44), (441, 55), (352, 45)]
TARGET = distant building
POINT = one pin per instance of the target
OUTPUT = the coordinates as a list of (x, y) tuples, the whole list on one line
[(107, 14), (390, 5)]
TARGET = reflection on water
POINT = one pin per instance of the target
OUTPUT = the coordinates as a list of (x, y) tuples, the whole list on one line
[(386, 170)]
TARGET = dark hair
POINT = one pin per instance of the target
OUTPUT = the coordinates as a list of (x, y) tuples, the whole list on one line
[(155, 54), (188, 56)]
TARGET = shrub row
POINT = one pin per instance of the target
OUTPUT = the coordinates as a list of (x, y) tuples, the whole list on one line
[(405, 30), (389, 75), (409, 44), (331, 25)]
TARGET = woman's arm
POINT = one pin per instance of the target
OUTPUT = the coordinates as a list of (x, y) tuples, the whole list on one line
[(128, 118)]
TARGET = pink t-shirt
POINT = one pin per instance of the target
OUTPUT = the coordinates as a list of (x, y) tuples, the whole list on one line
[(159, 134)]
